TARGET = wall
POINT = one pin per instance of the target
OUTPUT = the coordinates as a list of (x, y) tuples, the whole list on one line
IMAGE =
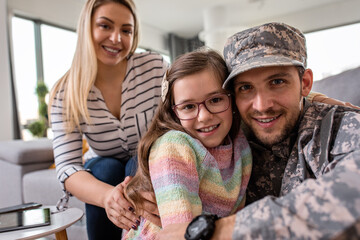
[(322, 17), (153, 38), (222, 21), (6, 119), (65, 13)]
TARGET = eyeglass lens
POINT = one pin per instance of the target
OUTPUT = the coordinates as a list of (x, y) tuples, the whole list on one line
[(214, 104)]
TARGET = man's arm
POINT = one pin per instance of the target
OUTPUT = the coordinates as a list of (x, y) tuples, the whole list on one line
[(224, 228), (321, 208)]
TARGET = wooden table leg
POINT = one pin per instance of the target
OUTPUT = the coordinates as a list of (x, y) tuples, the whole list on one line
[(62, 235)]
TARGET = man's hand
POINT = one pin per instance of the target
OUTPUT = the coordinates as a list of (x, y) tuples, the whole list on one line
[(173, 232), (118, 209), (224, 228)]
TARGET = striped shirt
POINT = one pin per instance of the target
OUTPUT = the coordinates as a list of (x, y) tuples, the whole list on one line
[(105, 134), (189, 179)]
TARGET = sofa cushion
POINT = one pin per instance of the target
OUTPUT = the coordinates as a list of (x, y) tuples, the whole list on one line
[(43, 187), (27, 152)]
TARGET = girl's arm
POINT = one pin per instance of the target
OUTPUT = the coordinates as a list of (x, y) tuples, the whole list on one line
[(174, 175)]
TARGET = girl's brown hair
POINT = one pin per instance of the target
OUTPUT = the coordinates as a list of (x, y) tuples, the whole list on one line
[(165, 118)]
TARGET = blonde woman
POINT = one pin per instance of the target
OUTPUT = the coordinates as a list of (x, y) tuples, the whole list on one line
[(108, 97)]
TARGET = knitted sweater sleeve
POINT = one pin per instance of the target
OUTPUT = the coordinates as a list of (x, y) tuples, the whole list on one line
[(174, 165)]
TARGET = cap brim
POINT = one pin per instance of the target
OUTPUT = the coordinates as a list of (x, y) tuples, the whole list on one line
[(269, 61)]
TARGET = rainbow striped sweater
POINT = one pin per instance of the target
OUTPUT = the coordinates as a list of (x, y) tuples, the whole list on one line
[(189, 179)]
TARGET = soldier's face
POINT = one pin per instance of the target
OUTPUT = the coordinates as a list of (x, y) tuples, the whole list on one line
[(269, 100)]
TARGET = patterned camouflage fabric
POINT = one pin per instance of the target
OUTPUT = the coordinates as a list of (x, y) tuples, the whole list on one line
[(272, 44), (312, 185)]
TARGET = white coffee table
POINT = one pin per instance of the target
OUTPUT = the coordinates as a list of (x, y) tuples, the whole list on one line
[(59, 222)]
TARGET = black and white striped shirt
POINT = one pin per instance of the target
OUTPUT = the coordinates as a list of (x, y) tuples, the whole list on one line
[(106, 135)]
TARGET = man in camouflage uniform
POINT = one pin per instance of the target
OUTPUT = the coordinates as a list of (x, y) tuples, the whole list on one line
[(305, 182)]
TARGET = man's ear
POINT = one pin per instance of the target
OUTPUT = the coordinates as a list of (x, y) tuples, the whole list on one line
[(306, 82)]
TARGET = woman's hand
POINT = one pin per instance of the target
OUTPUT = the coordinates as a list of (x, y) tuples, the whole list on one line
[(150, 211), (118, 209), (319, 97)]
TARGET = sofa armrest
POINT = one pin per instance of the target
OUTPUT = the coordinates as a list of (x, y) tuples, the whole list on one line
[(18, 157), (21, 152)]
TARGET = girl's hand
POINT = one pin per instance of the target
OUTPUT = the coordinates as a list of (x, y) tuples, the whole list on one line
[(119, 210)]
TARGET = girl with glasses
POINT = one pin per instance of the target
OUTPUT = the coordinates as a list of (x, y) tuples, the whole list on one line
[(194, 156)]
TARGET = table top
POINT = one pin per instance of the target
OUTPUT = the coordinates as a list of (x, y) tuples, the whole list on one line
[(59, 221)]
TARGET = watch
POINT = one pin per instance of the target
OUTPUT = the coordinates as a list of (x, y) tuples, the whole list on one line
[(202, 227)]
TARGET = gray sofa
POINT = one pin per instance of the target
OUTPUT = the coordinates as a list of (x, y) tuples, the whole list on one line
[(25, 177), (344, 86)]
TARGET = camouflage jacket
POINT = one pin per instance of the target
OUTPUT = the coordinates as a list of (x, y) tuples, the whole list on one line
[(305, 187)]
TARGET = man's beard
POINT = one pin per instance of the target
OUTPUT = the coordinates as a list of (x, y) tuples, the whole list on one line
[(268, 139), (271, 141)]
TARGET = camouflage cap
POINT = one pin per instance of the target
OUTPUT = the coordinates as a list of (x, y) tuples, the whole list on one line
[(271, 44)]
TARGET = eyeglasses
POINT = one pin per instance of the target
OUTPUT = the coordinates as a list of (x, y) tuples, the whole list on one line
[(190, 110)]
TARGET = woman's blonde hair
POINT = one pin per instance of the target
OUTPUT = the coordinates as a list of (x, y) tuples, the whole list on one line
[(81, 76), (165, 118)]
